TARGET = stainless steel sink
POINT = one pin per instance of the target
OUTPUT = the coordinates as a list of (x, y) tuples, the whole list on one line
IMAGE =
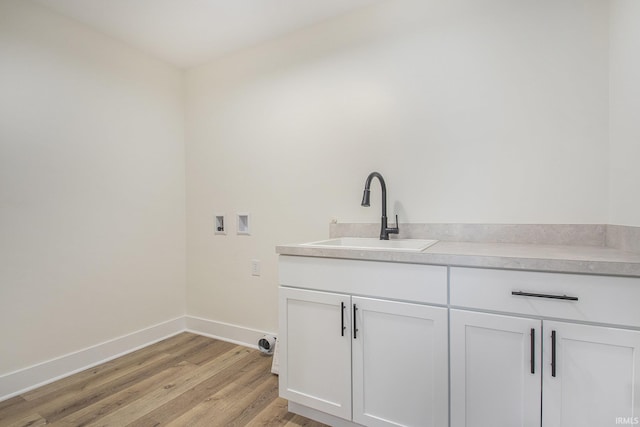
[(363, 243)]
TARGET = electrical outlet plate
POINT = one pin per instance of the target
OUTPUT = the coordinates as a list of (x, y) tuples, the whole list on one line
[(255, 267)]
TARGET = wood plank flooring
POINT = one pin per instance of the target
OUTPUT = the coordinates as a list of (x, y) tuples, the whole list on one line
[(186, 380)]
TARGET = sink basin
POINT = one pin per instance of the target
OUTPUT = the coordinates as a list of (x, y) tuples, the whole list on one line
[(405, 245)]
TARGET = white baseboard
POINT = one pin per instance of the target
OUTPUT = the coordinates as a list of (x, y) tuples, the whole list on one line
[(23, 380), (225, 331)]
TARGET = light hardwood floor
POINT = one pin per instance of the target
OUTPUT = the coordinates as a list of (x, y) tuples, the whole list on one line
[(186, 380)]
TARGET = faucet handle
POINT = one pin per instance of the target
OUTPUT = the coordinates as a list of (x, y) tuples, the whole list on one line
[(396, 229)]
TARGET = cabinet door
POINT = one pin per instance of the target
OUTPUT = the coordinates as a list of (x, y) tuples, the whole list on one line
[(594, 378), (315, 350), (400, 361), (495, 370)]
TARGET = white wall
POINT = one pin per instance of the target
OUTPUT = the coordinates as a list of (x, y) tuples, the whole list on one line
[(92, 199), (474, 111), (625, 112)]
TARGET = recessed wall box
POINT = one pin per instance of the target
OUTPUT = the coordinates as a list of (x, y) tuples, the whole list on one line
[(219, 224), (243, 223)]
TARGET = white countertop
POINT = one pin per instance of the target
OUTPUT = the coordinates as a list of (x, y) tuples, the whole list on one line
[(553, 258)]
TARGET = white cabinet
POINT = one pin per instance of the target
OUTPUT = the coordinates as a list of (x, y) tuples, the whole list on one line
[(380, 344), (314, 350), (495, 370), (390, 358), (508, 370), (399, 364), (593, 376)]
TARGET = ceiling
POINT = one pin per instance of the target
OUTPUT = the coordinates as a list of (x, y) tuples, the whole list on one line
[(187, 33)]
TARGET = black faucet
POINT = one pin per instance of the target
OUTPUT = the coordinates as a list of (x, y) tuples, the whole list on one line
[(385, 230)]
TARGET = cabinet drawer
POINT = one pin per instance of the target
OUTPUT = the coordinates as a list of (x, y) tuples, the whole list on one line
[(408, 282), (599, 299)]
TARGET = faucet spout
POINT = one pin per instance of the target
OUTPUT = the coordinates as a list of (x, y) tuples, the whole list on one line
[(385, 230)]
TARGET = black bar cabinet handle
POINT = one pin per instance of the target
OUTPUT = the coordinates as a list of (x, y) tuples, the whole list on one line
[(342, 327), (533, 350), (530, 294), (553, 353), (355, 328)]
